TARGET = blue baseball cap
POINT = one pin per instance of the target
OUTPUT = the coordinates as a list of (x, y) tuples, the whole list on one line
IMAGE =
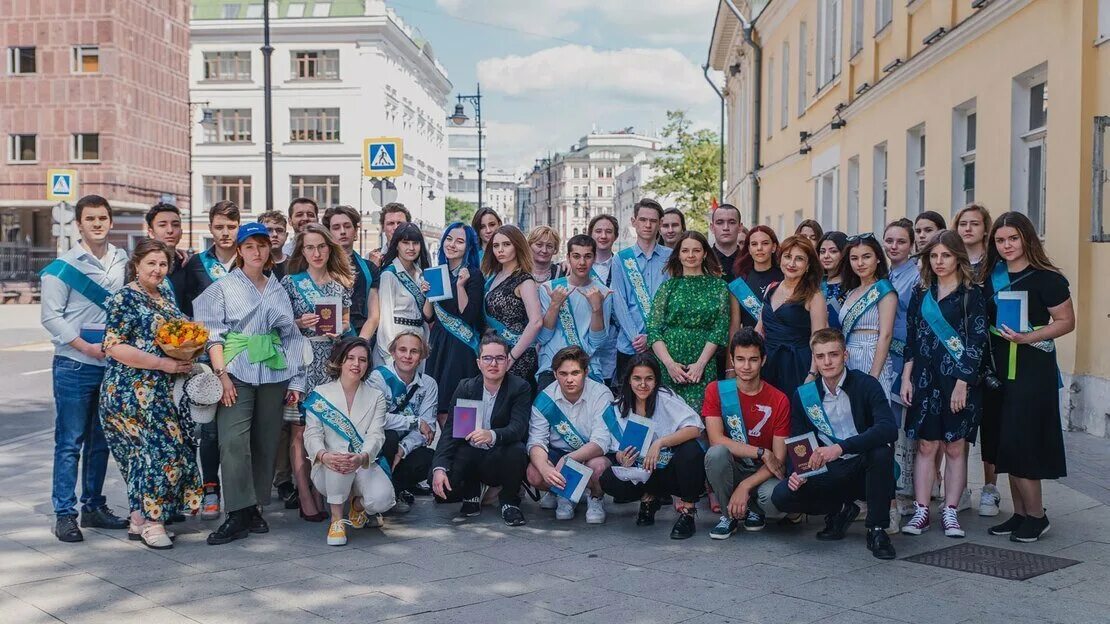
[(248, 230)]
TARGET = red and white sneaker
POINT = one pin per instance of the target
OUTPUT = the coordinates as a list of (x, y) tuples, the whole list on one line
[(920, 521), (950, 522)]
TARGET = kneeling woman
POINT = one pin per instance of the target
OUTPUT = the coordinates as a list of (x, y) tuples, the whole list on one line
[(344, 430), (674, 459)]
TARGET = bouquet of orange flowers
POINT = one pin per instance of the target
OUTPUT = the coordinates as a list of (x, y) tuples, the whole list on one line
[(182, 340)]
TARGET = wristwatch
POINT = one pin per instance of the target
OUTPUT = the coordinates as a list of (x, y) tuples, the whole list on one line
[(759, 453)]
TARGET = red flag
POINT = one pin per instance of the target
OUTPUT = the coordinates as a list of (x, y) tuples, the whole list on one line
[(712, 204)]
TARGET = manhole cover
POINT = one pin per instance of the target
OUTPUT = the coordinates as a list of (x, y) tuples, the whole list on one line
[(1003, 563)]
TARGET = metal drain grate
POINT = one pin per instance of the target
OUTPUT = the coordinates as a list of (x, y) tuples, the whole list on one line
[(1002, 563)]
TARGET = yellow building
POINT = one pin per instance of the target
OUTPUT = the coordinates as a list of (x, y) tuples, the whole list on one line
[(856, 112)]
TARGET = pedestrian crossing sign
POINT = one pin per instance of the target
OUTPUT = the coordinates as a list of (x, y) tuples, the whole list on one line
[(61, 185), (382, 157)]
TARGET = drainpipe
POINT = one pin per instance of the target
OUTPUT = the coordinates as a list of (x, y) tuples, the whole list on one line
[(721, 164), (757, 104)]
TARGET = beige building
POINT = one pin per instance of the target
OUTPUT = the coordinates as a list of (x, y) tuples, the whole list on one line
[(856, 112)]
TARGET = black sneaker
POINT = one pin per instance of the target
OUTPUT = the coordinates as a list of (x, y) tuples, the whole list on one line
[(878, 542), (65, 529), (176, 518), (754, 521), (471, 507), (646, 517), (236, 526), (512, 515), (1031, 529), (836, 525), (422, 488), (102, 518), (257, 522), (685, 527), (1008, 526), (285, 490)]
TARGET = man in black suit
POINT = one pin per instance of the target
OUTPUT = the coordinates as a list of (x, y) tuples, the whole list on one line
[(855, 428), (493, 456)]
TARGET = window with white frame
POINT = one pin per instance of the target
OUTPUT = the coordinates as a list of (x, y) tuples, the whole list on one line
[(227, 66), (21, 60), (23, 148), (323, 189), (857, 26), (321, 9), (1029, 144), (86, 148), (784, 106), (852, 195), (770, 97), (825, 193), (915, 170), (828, 41), (229, 125), (884, 13), (228, 187), (878, 188), (1101, 179), (254, 11), (803, 67), (315, 64), (295, 9), (798, 216), (964, 125), (313, 125), (86, 59)]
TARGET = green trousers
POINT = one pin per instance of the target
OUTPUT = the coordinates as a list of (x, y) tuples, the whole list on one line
[(249, 432)]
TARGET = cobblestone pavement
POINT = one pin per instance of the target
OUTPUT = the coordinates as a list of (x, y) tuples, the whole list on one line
[(425, 568)]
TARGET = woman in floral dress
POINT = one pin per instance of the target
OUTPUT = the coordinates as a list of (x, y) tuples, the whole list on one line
[(689, 318), (146, 432)]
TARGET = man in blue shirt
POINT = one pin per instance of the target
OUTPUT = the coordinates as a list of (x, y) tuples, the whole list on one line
[(638, 274)]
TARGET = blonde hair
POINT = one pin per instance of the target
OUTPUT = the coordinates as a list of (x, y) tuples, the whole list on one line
[(338, 266), (537, 234)]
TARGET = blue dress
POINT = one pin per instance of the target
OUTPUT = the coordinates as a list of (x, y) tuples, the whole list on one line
[(786, 332), (834, 297)]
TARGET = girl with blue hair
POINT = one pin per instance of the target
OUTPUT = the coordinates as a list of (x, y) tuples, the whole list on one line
[(457, 323)]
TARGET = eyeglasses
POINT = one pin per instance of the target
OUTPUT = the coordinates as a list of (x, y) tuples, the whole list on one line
[(860, 237), (494, 359)]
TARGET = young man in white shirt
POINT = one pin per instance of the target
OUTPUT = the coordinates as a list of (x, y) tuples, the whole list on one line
[(302, 211)]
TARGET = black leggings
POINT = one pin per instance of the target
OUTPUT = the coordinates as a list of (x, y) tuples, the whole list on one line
[(502, 466), (684, 477)]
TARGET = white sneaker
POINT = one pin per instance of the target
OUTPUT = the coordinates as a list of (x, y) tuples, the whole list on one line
[(988, 500), (595, 510), (895, 520), (950, 522), (919, 523), (564, 509), (549, 501), (965, 500)]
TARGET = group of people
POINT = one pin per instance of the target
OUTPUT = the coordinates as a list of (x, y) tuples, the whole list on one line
[(889, 354)]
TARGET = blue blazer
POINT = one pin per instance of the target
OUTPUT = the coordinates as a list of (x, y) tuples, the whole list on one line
[(870, 411)]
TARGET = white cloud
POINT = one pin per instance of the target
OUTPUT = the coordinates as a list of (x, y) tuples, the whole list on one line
[(542, 17), (662, 21), (660, 75)]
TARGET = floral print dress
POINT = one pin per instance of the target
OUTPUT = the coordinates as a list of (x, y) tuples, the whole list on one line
[(687, 313), (321, 345), (147, 434)]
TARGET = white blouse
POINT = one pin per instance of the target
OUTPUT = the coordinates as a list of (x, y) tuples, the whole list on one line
[(394, 303), (671, 414)]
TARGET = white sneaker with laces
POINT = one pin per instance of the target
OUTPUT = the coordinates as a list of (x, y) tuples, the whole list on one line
[(548, 501), (965, 500), (988, 500), (920, 521), (595, 510), (564, 509), (951, 523)]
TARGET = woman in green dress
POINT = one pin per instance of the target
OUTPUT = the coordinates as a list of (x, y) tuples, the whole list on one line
[(689, 318)]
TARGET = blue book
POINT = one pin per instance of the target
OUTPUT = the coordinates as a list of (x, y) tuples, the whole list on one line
[(92, 333), (1013, 310), (577, 477), (638, 433), (439, 282)]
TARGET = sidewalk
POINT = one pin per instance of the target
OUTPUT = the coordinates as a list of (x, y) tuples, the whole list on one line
[(424, 568), (20, 325)]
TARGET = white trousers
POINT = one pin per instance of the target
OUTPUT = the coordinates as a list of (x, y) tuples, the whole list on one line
[(372, 484)]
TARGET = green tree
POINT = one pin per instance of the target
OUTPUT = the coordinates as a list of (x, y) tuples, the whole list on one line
[(688, 169), (458, 210)]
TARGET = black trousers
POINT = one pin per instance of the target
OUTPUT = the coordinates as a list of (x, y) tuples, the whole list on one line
[(684, 477), (413, 468), (868, 476), (502, 466)]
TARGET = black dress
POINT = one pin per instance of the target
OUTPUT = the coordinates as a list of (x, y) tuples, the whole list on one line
[(451, 360), (504, 305), (786, 333), (1022, 434), (758, 281)]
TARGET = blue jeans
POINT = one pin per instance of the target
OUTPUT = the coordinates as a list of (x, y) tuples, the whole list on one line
[(77, 437)]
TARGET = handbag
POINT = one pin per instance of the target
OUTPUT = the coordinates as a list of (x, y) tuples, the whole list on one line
[(987, 367)]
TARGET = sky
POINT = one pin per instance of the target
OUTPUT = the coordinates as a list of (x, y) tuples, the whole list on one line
[(553, 70)]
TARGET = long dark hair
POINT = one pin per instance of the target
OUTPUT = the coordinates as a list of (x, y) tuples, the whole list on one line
[(848, 277), (744, 262), (935, 217), (339, 352), (1030, 244), (840, 240), (710, 264), (626, 400), (476, 220), (811, 224), (407, 232)]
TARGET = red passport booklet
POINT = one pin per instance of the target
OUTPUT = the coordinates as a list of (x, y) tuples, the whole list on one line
[(800, 449), (329, 322)]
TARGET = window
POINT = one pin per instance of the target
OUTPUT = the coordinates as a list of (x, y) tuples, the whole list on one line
[(915, 171), (254, 11), (231, 11), (853, 194), (798, 216), (233, 188), (1103, 20), (21, 60), (770, 97), (86, 147), (828, 42), (1029, 145), (23, 148), (1101, 177), (878, 189), (313, 125), (227, 66), (784, 111), (825, 199), (86, 59), (230, 125), (321, 9), (803, 67), (964, 123), (884, 13), (324, 190), (857, 26), (315, 65), (296, 9)]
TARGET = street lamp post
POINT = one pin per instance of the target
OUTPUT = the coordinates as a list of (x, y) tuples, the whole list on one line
[(267, 107), (459, 118)]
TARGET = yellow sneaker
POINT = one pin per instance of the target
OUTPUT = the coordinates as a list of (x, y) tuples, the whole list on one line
[(357, 518), (337, 533)]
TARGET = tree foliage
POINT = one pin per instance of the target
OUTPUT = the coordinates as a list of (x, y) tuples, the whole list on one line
[(688, 169), (458, 210)]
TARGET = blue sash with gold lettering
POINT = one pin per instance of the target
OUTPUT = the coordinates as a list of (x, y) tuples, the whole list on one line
[(73, 277), (337, 421), (567, 324), (502, 330), (731, 413), (456, 327), (307, 289), (212, 265), (746, 296), (613, 424), (636, 281), (874, 294), (815, 411), (410, 285), (930, 311), (559, 422)]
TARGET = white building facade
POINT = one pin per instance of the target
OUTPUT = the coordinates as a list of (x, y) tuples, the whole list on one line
[(336, 80), (629, 189)]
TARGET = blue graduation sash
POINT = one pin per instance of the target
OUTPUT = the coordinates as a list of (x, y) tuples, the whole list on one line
[(874, 294), (307, 289), (338, 422), (502, 330), (397, 388), (456, 327), (559, 421), (74, 278), (815, 410), (930, 311), (212, 265), (1000, 281), (636, 281), (746, 296), (364, 269), (567, 323), (898, 347), (612, 423), (731, 413), (409, 284)]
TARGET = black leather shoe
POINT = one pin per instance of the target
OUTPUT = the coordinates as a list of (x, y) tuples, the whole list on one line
[(257, 522), (236, 526), (836, 525), (878, 542), (102, 518), (512, 515), (685, 526), (294, 501), (65, 529), (285, 490), (646, 517), (471, 507)]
